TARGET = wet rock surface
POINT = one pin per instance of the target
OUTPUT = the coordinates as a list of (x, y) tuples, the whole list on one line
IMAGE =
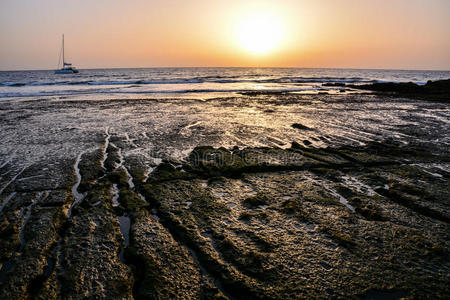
[(276, 230), (115, 217), (433, 90)]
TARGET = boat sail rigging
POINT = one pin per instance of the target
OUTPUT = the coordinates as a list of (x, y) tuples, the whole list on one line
[(66, 67)]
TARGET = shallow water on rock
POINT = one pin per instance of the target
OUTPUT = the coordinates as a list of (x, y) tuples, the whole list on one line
[(125, 229), (36, 130)]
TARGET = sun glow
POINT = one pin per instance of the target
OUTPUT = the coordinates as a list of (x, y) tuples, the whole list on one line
[(259, 33)]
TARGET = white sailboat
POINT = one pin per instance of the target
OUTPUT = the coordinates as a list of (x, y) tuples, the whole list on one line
[(66, 67)]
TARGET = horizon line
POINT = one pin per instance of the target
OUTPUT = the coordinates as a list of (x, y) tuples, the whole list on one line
[(222, 67)]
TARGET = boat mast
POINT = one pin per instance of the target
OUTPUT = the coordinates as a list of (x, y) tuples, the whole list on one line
[(64, 62)]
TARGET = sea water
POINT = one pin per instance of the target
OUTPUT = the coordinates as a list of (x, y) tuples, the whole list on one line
[(195, 82)]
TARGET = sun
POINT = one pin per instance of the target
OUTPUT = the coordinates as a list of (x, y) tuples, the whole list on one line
[(259, 33)]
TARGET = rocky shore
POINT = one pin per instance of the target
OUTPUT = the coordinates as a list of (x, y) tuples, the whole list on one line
[(363, 221), (240, 223), (438, 90)]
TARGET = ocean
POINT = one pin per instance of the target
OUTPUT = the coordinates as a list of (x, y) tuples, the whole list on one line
[(195, 82)]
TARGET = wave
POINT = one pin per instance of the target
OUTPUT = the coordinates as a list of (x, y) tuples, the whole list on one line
[(195, 80), (119, 91), (137, 82), (395, 81), (13, 84)]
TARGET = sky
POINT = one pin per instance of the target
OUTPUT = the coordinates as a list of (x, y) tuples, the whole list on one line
[(377, 34)]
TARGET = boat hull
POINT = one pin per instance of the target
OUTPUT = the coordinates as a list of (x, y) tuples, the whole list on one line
[(66, 71)]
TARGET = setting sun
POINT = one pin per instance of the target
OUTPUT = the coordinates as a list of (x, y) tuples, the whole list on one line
[(259, 33)]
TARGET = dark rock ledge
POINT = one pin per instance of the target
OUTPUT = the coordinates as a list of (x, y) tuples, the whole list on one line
[(433, 90)]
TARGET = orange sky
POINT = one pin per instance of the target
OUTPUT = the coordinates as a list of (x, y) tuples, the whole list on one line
[(400, 34)]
